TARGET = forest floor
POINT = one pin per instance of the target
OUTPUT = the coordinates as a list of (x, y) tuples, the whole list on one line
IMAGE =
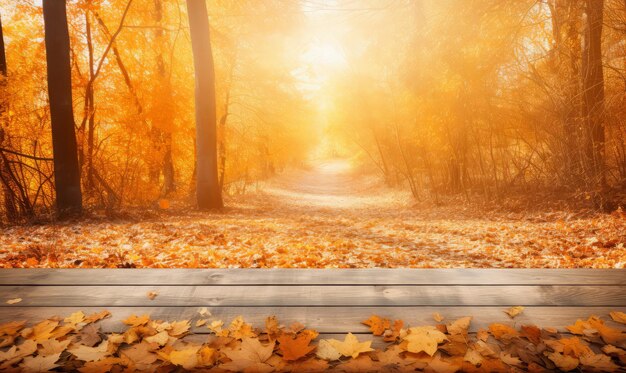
[(325, 216)]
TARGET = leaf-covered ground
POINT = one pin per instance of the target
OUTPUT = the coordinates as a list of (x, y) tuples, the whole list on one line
[(325, 217), (76, 343)]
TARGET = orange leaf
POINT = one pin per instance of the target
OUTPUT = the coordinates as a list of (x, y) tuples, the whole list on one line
[(295, 348), (377, 324)]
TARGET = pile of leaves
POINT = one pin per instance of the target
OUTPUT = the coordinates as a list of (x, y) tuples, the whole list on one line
[(265, 231), (76, 343)]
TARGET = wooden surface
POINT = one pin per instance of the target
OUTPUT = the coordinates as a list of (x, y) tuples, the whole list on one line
[(330, 301)]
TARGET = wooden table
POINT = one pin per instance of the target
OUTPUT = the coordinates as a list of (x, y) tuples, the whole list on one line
[(330, 301)]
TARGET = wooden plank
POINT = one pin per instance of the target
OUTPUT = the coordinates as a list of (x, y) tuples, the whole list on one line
[(377, 342), (325, 319), (254, 296), (312, 276)]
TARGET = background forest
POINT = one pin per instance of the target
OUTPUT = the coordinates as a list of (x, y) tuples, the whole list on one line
[(439, 97)]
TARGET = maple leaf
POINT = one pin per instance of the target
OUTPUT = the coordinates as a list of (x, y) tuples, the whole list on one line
[(178, 328), (351, 346), (391, 335), (186, 358), (207, 356), (326, 351), (460, 326), (251, 355), (598, 362), (514, 311), (424, 338), (531, 332), (239, 329), (86, 353), (12, 327), (90, 335), (509, 359), (134, 320), (563, 362), (141, 354), (40, 363), (472, 356), (52, 347), (619, 317), (295, 348), (612, 350), (160, 338), (574, 347), (377, 324), (502, 331), (75, 318), (43, 330), (97, 316), (608, 334)]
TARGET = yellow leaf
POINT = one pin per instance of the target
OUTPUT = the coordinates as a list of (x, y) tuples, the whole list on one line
[(351, 346), (186, 358), (14, 301), (563, 362), (514, 311), (424, 338), (619, 317), (326, 351)]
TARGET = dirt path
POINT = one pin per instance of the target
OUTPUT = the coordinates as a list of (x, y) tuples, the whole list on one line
[(324, 216)]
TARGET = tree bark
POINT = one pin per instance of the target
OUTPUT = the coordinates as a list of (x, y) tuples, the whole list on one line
[(66, 170), (593, 93), (208, 193)]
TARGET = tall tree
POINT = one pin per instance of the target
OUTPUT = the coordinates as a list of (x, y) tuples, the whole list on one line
[(208, 192), (9, 201), (66, 170), (593, 92)]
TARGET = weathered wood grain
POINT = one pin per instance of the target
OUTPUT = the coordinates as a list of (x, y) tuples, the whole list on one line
[(324, 319), (312, 276), (327, 295)]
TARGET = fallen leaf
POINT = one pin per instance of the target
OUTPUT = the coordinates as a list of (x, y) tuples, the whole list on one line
[(295, 348), (186, 358), (502, 331), (514, 311), (40, 363), (52, 347), (85, 353), (251, 355), (351, 346), (424, 338), (326, 351), (437, 317), (460, 326), (377, 324), (152, 294), (599, 362), (14, 301), (619, 317), (563, 362)]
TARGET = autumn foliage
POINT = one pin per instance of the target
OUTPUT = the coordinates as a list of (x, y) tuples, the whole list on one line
[(77, 343)]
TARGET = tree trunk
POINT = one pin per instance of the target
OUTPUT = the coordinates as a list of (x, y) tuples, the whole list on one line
[(66, 171), (165, 131), (10, 208), (208, 193), (593, 93)]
